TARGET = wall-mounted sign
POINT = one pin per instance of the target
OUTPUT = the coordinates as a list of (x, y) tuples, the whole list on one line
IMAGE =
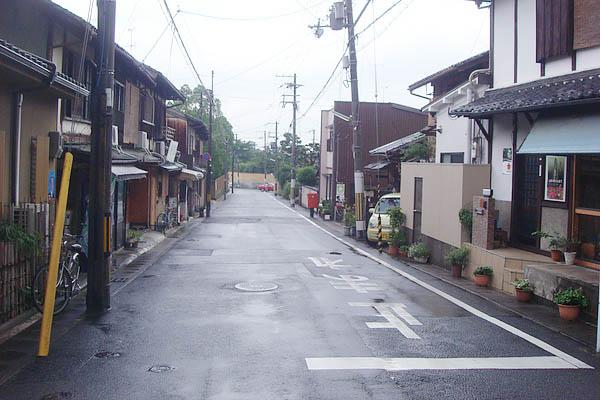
[(555, 178), (52, 184), (507, 160), (340, 192)]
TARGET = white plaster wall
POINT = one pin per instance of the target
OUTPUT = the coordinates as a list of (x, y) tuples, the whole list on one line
[(503, 46), (528, 68), (587, 59), (453, 137)]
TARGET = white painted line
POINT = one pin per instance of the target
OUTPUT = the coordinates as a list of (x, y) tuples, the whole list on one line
[(352, 282), (513, 330), (325, 262), (385, 311), (516, 363)]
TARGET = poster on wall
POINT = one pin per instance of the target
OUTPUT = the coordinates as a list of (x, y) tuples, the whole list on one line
[(555, 178), (340, 192), (507, 160)]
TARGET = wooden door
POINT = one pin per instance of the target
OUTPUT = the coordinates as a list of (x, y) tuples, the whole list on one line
[(527, 202)]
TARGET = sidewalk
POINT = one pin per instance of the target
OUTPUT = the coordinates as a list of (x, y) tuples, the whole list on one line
[(542, 314)]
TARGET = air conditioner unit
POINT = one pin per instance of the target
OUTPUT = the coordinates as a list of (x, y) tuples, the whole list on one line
[(115, 135), (142, 140), (172, 151)]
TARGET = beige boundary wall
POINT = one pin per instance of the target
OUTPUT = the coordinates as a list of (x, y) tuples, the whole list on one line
[(447, 187), (251, 180)]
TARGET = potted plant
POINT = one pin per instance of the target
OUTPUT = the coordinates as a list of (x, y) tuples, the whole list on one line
[(569, 254), (555, 242), (482, 275), (419, 252), (396, 241), (523, 289), (403, 250), (458, 258), (133, 238), (466, 218), (349, 220), (570, 301)]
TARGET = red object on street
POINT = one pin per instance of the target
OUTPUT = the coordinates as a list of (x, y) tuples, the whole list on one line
[(312, 200)]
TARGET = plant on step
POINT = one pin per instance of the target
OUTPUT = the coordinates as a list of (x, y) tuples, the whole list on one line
[(404, 248), (466, 218), (483, 271), (397, 217), (571, 296), (555, 241), (458, 256), (134, 235), (349, 216), (397, 239), (523, 285), (419, 250)]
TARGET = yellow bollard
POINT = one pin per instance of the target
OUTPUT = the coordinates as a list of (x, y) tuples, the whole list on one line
[(57, 236)]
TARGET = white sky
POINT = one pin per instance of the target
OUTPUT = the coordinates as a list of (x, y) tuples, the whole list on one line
[(247, 43)]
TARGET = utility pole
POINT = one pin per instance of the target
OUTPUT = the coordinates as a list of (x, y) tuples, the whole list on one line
[(265, 157), (98, 297), (233, 159), (277, 160), (294, 103), (225, 168), (209, 183), (313, 149), (341, 15)]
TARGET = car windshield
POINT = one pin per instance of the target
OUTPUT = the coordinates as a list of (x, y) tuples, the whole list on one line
[(386, 204)]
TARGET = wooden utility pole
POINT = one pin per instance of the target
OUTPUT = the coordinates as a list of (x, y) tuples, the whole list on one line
[(277, 160), (233, 159), (209, 182), (98, 297), (293, 170)]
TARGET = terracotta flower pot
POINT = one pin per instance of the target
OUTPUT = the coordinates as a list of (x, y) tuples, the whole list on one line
[(556, 255), (569, 312), (481, 280), (456, 270), (392, 250), (402, 254), (522, 296)]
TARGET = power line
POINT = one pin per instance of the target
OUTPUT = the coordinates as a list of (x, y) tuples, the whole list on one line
[(380, 16), (249, 19), (158, 39)]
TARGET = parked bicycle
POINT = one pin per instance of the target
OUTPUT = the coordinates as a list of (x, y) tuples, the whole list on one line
[(67, 283), (166, 220)]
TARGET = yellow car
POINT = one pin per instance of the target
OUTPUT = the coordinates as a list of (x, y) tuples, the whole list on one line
[(385, 203)]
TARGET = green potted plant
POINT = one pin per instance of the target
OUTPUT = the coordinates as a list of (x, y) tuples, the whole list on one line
[(403, 250), (555, 242), (482, 275), (569, 253), (349, 220), (570, 301), (133, 238), (419, 252), (458, 258), (466, 218), (523, 289), (397, 238)]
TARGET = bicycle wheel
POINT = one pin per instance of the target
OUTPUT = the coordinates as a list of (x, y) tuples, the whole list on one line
[(162, 222), (63, 290)]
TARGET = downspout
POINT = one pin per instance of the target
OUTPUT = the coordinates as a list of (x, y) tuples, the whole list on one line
[(16, 151)]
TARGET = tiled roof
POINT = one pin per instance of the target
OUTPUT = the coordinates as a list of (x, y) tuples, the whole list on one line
[(462, 65), (572, 89), (40, 65), (118, 157)]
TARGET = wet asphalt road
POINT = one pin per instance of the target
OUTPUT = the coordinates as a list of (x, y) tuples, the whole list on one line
[(184, 312)]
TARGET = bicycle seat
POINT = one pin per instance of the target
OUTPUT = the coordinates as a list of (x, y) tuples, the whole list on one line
[(76, 248)]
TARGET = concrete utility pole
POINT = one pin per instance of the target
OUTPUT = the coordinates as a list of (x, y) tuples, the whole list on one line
[(294, 103), (265, 157), (233, 159), (277, 160), (225, 171), (339, 19), (98, 297), (209, 182)]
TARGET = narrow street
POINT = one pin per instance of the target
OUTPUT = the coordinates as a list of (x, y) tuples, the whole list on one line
[(194, 325)]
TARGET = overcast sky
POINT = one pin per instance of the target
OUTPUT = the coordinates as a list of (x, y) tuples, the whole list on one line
[(247, 43)]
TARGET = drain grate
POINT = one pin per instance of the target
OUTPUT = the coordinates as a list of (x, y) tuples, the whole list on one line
[(119, 280), (107, 354), (161, 368), (335, 253), (256, 286)]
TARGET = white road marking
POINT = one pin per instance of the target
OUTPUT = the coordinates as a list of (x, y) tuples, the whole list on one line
[(325, 262), (386, 311), (517, 363), (352, 282), (513, 330)]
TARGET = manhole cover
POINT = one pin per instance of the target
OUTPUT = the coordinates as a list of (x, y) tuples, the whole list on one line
[(256, 286), (161, 368), (61, 395), (107, 354)]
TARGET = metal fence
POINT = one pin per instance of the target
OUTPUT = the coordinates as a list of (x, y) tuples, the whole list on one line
[(18, 266)]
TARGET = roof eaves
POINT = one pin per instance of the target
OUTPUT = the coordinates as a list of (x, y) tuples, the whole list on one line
[(424, 81)]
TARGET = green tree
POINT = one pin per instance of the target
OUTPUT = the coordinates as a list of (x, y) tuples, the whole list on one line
[(306, 175)]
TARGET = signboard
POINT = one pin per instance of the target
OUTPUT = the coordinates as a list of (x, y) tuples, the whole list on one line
[(507, 160), (555, 178), (340, 192), (52, 183)]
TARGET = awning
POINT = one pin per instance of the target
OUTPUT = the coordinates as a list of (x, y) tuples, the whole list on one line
[(378, 165), (563, 134), (171, 167), (397, 145), (191, 174), (124, 173)]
